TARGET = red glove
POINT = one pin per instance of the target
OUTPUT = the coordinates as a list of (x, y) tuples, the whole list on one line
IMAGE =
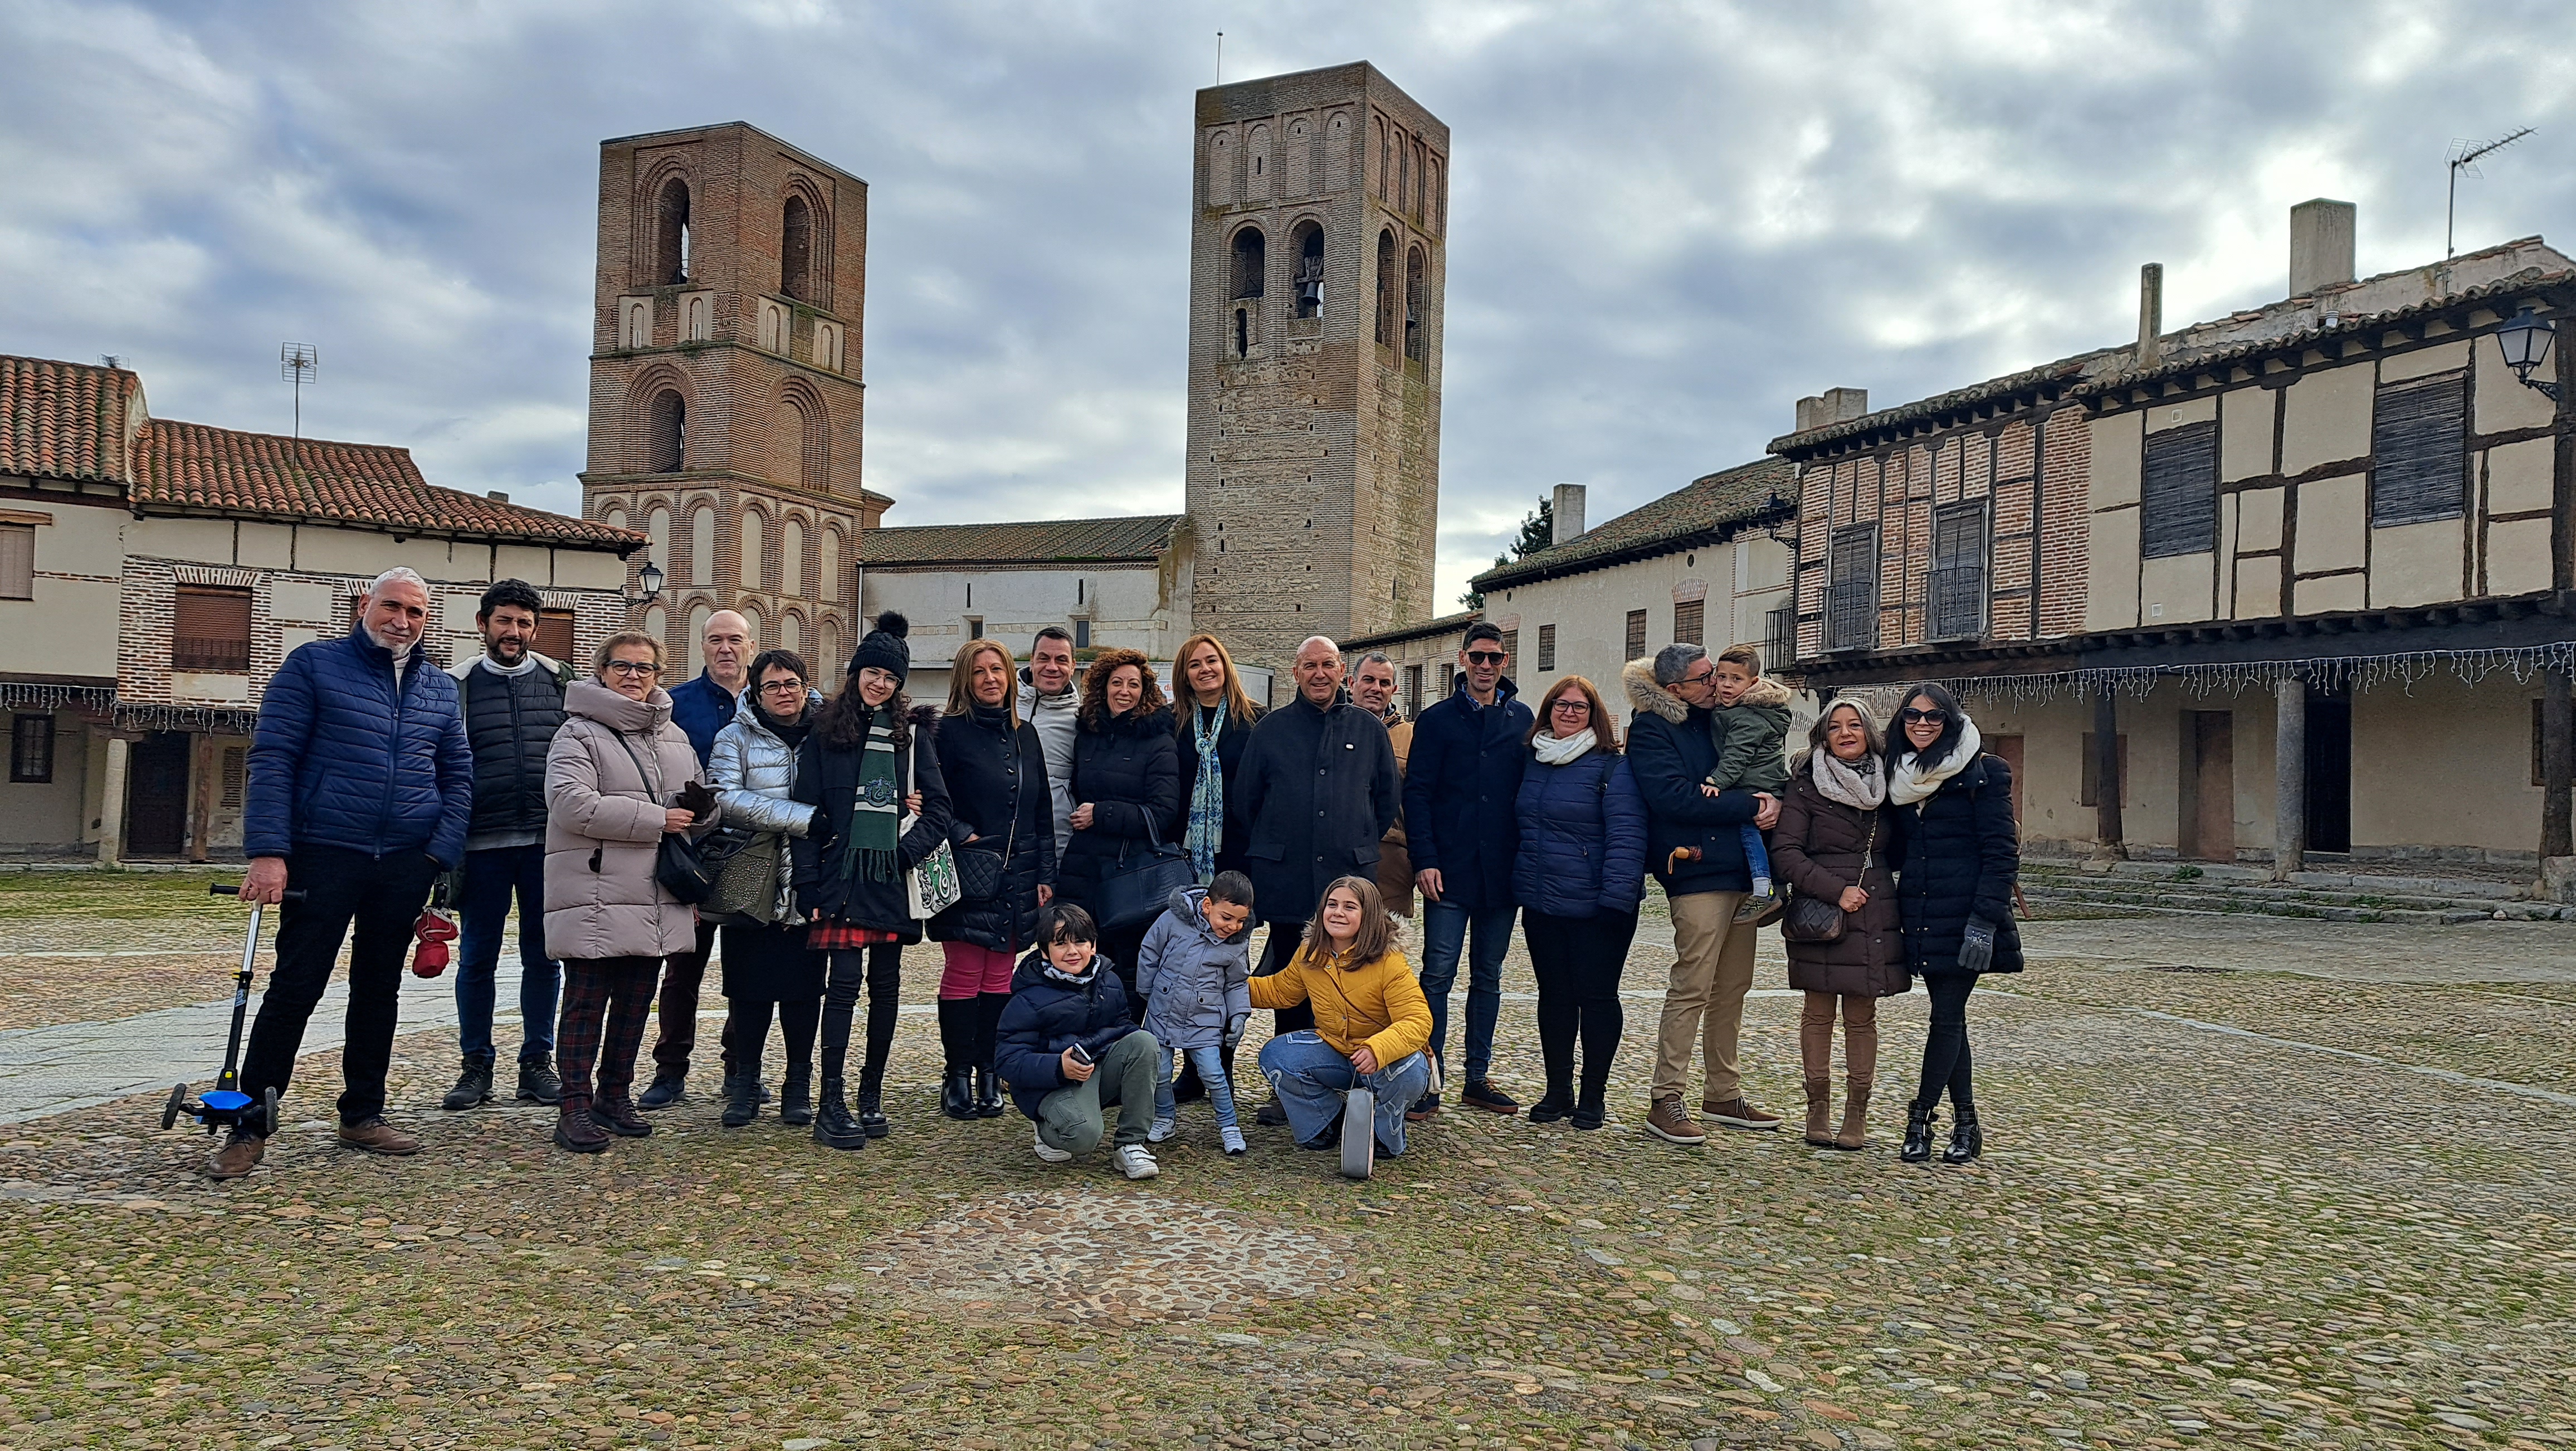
[(432, 932)]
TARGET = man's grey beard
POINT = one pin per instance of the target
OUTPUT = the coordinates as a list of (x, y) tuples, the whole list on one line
[(399, 651)]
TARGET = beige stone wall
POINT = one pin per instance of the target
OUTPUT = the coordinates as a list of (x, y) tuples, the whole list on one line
[(1735, 583), (43, 819), (68, 627)]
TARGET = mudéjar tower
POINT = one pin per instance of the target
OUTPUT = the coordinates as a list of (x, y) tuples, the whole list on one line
[(724, 383), (1317, 256)]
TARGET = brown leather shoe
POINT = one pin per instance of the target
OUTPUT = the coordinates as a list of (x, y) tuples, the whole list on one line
[(577, 1131), (1739, 1113), (619, 1117), (378, 1137), (238, 1156), (1667, 1122)]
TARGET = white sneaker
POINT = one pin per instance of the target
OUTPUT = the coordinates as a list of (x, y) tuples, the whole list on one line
[(1163, 1129), (1232, 1137), (1049, 1153), (1136, 1162)]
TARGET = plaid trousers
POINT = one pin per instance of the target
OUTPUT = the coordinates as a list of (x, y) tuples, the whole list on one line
[(607, 1002)]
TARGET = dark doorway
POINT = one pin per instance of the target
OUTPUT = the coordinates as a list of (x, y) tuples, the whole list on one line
[(2329, 771), (156, 796), (2206, 830), (2008, 749)]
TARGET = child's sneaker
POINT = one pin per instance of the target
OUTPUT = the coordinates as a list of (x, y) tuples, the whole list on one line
[(1136, 1162), (1755, 906), (1232, 1138), (1163, 1129), (1049, 1153)]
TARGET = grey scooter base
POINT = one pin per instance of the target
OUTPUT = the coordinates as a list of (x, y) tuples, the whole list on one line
[(1359, 1133)]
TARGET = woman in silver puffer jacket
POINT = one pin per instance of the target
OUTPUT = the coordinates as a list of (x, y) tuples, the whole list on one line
[(766, 965)]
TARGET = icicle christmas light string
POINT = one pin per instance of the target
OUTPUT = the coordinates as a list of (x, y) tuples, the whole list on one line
[(2350, 672)]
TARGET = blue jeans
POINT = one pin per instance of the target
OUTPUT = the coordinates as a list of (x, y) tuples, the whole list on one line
[(491, 877), (1310, 1079), (1210, 1062), (1757, 857), (1445, 930)]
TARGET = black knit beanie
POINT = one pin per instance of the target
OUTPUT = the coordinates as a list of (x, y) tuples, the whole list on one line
[(884, 648)]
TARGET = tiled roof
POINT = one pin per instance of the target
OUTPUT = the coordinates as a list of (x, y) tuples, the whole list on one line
[(62, 420), (1730, 496), (191, 467), (1428, 629), (2065, 372), (1137, 538)]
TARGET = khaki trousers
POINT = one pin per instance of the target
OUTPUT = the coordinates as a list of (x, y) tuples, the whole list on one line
[(1712, 971)]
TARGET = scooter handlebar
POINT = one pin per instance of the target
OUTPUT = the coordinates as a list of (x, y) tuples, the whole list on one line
[(219, 889)]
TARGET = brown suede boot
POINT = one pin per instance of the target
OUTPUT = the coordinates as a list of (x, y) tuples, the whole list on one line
[(1820, 1111), (1855, 1129)]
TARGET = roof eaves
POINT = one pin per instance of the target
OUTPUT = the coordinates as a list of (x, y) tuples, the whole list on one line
[(2037, 383)]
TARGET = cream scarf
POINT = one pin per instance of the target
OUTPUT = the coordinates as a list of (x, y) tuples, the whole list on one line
[(1859, 789), (1558, 750), (1911, 784)]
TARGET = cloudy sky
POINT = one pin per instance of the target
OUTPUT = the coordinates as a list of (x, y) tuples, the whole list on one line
[(1669, 220)]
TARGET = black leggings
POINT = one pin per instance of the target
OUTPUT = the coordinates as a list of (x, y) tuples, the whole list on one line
[(1945, 1048), (880, 969), (797, 1018), (1577, 961)]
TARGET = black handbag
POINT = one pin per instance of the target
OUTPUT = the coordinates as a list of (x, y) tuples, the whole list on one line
[(980, 872), (1136, 887), (1820, 919), (677, 864)]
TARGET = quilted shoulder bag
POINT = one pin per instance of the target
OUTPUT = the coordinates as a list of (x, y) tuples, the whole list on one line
[(677, 864), (1820, 919)]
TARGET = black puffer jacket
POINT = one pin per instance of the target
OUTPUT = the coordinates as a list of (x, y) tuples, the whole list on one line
[(1320, 791), (1047, 1015), (1957, 854), (829, 776), (997, 791), (1229, 758), (1129, 772)]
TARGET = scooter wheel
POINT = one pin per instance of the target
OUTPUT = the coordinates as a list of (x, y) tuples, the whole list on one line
[(178, 1102), (268, 1113)]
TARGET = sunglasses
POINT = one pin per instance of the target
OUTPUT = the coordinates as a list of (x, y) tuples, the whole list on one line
[(1486, 657), (1927, 717)]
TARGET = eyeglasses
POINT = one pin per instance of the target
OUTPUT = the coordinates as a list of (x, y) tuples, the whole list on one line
[(1702, 678), (1927, 717), (1572, 707), (785, 687), (1486, 657), (633, 667)]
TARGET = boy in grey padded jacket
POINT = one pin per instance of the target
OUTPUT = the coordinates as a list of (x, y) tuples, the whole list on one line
[(1191, 970)]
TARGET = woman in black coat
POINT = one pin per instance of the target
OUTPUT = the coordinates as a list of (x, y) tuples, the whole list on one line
[(870, 766), (1957, 854), (995, 771), (1126, 785)]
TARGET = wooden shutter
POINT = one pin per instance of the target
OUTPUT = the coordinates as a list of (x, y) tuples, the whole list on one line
[(211, 631), (17, 561), (1636, 634), (1959, 570), (1690, 622), (31, 749), (1851, 593), (1511, 645), (2178, 492), (2419, 450), (554, 634)]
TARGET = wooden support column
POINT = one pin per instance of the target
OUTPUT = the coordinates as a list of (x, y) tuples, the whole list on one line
[(2557, 764), (111, 812), (2109, 842), (2289, 776)]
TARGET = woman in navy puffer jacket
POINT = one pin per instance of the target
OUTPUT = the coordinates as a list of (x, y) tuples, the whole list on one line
[(1579, 875)]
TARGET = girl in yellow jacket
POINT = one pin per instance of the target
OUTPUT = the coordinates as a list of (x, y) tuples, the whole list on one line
[(1371, 1020)]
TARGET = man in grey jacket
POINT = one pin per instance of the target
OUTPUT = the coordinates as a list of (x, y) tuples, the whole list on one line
[(1048, 702)]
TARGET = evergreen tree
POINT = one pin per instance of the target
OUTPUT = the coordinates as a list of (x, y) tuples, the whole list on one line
[(1538, 530)]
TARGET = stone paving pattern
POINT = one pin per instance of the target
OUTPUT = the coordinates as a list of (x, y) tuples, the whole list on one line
[(2180, 1236)]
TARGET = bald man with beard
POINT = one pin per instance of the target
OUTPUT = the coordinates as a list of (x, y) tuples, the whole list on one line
[(701, 708)]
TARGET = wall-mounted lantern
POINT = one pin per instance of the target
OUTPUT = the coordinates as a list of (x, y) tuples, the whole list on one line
[(2526, 338)]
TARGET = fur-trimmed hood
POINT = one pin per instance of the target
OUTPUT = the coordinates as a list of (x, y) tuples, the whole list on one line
[(1638, 676), (1765, 691)]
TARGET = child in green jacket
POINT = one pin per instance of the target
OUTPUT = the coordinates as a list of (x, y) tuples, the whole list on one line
[(1750, 727)]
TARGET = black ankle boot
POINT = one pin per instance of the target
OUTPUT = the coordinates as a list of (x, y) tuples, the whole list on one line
[(988, 1093), (1967, 1141), (1552, 1105), (957, 1093), (1918, 1135), (833, 1126), (796, 1096), (1591, 1109), (742, 1104), (871, 1112)]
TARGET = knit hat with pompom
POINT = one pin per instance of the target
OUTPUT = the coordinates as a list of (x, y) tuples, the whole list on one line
[(884, 647)]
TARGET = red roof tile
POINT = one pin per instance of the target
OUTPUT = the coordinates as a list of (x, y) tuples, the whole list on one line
[(62, 420), (1135, 538)]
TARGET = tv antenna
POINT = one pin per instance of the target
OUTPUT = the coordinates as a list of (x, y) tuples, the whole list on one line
[(1220, 57), (2464, 158), (298, 364)]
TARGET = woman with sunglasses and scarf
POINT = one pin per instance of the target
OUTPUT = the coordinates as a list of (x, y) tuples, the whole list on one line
[(1957, 853)]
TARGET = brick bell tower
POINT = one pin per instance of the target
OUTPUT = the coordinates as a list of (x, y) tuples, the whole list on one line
[(724, 384), (1317, 260)]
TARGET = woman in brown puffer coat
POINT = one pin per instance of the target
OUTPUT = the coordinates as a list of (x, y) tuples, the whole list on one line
[(1832, 843), (615, 774)]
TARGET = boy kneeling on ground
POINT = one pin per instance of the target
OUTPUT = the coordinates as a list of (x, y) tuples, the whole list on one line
[(1068, 1047)]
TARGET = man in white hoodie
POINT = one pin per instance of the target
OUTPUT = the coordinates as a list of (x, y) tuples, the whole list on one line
[(1049, 702)]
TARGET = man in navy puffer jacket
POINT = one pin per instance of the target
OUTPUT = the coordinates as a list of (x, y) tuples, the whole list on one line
[(361, 785)]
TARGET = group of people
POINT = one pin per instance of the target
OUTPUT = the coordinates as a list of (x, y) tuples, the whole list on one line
[(1094, 860)]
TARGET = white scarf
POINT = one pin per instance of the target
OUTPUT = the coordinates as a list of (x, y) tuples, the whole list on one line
[(1854, 787), (1912, 783), (1557, 750)]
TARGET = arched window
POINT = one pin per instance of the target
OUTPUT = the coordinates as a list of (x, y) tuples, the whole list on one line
[(658, 625), (791, 560), (826, 663), (813, 445), (1310, 270), (657, 529), (666, 439), (791, 631), (671, 234), (755, 570), (1417, 301), (1386, 289), (694, 648), (1251, 262), (830, 571), (1220, 179), (751, 628), (702, 544), (796, 250)]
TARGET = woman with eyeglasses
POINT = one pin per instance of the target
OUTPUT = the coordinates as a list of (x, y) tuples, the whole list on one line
[(1579, 874), (767, 968), (619, 777), (1957, 853)]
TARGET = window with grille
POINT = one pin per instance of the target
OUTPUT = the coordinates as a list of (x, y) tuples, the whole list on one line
[(1511, 647), (1547, 647), (974, 627), (31, 749), (17, 561), (1780, 636), (236, 774), (2178, 492), (1636, 634), (2419, 467), (1448, 680), (211, 631), (1851, 588), (554, 634), (1413, 689), (1959, 570), (1690, 622)]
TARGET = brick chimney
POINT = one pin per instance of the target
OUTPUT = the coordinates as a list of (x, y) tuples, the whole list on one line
[(2321, 234), (1566, 511)]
